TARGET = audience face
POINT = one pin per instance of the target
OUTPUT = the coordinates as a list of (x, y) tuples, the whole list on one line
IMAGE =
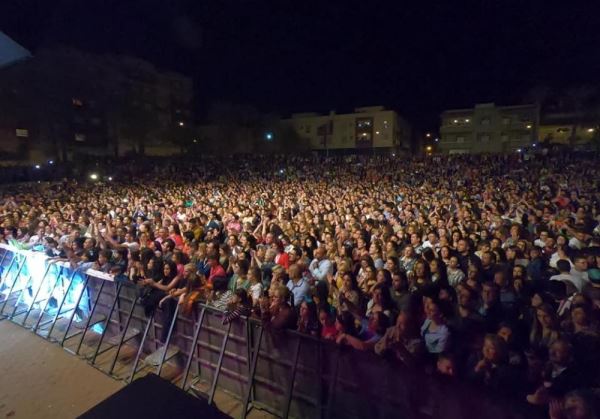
[(581, 264), (559, 353), (491, 351), (445, 366), (489, 295)]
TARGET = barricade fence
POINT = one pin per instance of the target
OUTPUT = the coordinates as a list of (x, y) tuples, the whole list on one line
[(285, 373)]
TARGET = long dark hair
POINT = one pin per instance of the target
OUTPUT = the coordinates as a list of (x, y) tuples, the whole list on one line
[(172, 272), (156, 272), (245, 300), (346, 319), (386, 298), (313, 315), (309, 250)]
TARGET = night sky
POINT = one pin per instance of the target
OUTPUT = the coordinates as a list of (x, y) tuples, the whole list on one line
[(418, 58)]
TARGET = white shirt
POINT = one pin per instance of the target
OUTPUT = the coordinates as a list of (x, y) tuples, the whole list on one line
[(568, 277), (575, 243), (555, 258), (256, 291), (579, 278), (320, 269)]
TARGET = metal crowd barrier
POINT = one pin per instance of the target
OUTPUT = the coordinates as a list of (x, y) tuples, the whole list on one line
[(286, 373)]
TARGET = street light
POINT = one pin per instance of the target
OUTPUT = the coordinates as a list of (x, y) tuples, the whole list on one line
[(180, 123), (428, 135), (94, 176), (428, 148), (37, 166), (590, 130), (269, 136), (528, 126), (110, 178)]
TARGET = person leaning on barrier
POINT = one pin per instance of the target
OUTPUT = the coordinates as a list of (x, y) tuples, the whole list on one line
[(239, 305), (221, 295), (308, 319), (276, 313), (188, 283), (372, 330), (154, 291), (401, 341)]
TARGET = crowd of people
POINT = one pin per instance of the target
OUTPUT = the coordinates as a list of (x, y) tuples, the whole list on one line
[(484, 269)]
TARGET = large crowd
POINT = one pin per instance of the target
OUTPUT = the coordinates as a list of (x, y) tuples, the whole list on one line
[(484, 269)]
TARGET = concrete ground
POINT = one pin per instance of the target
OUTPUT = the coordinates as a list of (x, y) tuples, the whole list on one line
[(38, 379)]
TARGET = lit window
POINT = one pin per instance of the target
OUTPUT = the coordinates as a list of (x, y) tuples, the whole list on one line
[(77, 102), (22, 133)]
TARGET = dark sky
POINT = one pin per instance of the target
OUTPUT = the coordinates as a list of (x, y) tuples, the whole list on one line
[(418, 57)]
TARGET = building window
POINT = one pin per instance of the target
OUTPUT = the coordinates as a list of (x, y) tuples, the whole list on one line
[(78, 103), (484, 138), (504, 138), (460, 139), (506, 121), (364, 132), (307, 129), (364, 123), (79, 137), (485, 121), (22, 133)]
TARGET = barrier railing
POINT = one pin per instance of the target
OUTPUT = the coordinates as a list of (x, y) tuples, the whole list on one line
[(286, 373)]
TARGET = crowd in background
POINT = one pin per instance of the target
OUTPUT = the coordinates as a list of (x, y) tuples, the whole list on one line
[(483, 269)]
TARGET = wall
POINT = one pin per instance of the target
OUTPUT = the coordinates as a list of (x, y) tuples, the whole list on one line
[(371, 127), (487, 128)]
